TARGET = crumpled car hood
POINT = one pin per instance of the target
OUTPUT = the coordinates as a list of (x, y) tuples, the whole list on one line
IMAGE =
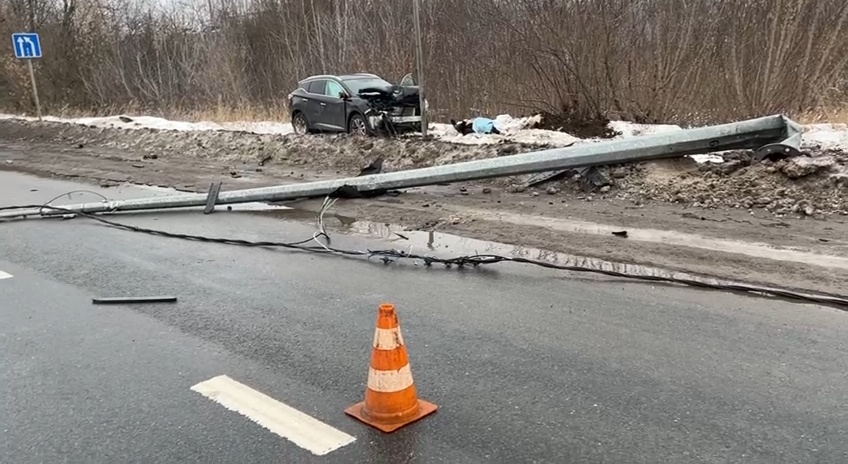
[(393, 96)]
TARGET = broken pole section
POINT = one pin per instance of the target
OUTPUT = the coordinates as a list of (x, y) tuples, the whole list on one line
[(751, 134)]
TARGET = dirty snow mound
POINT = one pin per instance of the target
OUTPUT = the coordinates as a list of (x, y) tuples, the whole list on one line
[(807, 185), (161, 124), (513, 130), (317, 152)]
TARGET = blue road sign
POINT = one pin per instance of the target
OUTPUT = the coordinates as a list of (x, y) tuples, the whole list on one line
[(26, 45)]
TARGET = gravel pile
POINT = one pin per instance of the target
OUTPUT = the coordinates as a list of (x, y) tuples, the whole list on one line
[(811, 185)]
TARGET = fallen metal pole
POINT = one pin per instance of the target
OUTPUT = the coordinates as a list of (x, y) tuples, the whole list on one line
[(774, 132)]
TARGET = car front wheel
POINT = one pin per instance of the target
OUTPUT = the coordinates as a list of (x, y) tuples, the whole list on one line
[(299, 124), (357, 125)]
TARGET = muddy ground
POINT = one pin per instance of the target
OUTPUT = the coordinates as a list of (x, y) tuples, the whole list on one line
[(773, 223)]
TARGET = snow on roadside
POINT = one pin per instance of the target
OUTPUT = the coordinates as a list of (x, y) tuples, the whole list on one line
[(629, 129), (151, 122), (828, 136), (514, 130)]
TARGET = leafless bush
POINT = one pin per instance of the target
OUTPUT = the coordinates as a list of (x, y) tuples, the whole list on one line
[(657, 60)]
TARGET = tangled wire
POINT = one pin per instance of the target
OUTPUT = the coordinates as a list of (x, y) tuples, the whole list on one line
[(322, 245)]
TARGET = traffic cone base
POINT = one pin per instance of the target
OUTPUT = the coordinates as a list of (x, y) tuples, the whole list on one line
[(357, 411), (390, 397)]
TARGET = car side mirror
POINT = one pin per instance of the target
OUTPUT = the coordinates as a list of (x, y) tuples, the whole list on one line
[(344, 96)]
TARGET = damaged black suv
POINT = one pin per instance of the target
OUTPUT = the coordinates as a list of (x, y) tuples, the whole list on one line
[(354, 103)]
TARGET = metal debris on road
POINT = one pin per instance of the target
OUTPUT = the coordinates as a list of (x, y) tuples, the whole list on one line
[(135, 300), (212, 199)]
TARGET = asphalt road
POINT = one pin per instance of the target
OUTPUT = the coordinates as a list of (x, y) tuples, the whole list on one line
[(526, 365)]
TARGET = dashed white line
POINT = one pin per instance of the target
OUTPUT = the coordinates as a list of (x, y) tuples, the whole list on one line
[(299, 428), (5, 275)]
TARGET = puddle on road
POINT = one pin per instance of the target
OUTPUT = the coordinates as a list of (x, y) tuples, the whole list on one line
[(436, 241), (666, 237), (445, 245)]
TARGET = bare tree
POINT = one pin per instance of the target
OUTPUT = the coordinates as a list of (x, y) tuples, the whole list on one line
[(668, 60)]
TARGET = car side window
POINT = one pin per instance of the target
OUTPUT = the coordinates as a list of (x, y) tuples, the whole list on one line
[(333, 89), (316, 87)]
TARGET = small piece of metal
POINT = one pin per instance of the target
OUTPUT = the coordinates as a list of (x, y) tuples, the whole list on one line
[(543, 177), (788, 148), (774, 152), (212, 198), (135, 300), (592, 178), (744, 135)]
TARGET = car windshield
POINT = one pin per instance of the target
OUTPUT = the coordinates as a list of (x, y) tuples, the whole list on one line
[(357, 84)]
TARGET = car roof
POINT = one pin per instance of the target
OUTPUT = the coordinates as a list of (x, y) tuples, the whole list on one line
[(341, 76)]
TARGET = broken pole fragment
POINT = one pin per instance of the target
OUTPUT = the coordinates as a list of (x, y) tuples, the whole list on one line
[(212, 199), (134, 300)]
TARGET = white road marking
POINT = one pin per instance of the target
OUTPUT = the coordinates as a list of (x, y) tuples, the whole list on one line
[(301, 429), (5, 275)]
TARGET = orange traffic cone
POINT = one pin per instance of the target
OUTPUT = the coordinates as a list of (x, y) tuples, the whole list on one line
[(390, 398)]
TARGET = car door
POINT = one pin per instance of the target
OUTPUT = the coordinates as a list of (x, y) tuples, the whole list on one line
[(333, 107), (314, 94)]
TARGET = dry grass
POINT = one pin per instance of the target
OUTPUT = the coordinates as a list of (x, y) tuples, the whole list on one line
[(230, 114), (213, 113), (838, 115)]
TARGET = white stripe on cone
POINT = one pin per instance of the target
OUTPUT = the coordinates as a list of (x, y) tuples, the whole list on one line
[(390, 381), (388, 339)]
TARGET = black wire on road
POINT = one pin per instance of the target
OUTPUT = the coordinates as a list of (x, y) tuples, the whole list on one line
[(390, 255)]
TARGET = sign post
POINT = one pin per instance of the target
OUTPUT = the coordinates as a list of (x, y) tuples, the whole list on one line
[(28, 47), (419, 63)]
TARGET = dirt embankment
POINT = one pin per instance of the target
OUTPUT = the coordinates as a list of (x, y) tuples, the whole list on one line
[(813, 184), (318, 151)]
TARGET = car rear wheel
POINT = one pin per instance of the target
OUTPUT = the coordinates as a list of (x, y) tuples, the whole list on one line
[(357, 125), (299, 124)]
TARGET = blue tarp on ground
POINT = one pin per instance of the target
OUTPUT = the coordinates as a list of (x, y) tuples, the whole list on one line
[(483, 125)]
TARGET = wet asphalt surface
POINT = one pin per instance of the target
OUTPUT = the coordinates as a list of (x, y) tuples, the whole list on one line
[(526, 365)]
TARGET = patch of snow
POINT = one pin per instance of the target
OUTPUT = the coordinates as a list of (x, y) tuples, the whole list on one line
[(151, 122), (828, 136), (514, 130), (701, 159), (261, 127), (146, 122), (507, 123), (629, 129)]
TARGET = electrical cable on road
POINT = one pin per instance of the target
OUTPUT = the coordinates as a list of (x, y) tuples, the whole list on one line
[(388, 256)]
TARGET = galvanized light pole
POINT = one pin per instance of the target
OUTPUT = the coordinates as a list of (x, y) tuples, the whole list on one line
[(419, 63)]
